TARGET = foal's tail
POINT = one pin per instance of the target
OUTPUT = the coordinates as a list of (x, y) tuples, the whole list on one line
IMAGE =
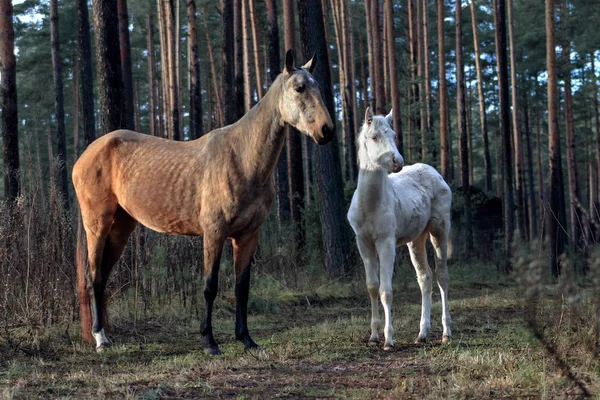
[(85, 312), (450, 246)]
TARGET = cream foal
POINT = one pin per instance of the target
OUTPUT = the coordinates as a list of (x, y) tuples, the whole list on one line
[(391, 210)]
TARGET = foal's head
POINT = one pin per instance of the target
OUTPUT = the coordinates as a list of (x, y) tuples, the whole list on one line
[(301, 104), (376, 144)]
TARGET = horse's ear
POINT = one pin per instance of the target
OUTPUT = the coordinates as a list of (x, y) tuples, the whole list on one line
[(368, 116), (289, 61), (390, 118), (310, 65)]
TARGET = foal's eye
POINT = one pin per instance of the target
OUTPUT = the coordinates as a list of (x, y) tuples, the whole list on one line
[(300, 88), (376, 138)]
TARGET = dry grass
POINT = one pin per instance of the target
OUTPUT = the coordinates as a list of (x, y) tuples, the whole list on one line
[(314, 345)]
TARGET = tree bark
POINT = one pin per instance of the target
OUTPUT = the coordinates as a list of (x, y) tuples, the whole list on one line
[(377, 59), (554, 235), (394, 91), (327, 168), (108, 60), (125, 47), (151, 78), (238, 87), (282, 181), (596, 211), (255, 39), (294, 139), (462, 129), (228, 60), (508, 199), (213, 72), (443, 93), (370, 95), (86, 88), (487, 162), (172, 60), (246, 53), (9, 120), (196, 128), (59, 104), (533, 220), (427, 83)]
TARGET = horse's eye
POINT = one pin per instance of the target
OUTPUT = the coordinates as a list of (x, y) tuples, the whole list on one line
[(376, 138), (300, 88)]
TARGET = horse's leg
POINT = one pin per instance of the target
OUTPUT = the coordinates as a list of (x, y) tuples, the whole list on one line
[(213, 246), (243, 258), (369, 255), (386, 249), (439, 239), (418, 256), (114, 245)]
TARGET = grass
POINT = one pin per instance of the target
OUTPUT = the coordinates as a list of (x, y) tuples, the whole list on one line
[(314, 346)]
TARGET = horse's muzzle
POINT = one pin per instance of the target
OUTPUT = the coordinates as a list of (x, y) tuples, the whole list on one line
[(396, 166), (327, 133)]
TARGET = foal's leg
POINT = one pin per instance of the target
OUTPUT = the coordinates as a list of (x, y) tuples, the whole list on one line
[(369, 255), (213, 246), (418, 256), (114, 245), (386, 249), (243, 258), (440, 243)]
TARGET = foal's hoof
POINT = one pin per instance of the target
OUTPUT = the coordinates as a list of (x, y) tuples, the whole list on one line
[(388, 347), (446, 339), (212, 351), (373, 342), (420, 340)]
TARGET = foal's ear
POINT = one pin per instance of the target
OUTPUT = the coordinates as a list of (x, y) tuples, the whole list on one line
[(390, 118), (368, 116), (289, 61), (310, 65)]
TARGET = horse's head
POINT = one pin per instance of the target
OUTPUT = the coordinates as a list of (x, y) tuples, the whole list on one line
[(376, 144), (301, 103)]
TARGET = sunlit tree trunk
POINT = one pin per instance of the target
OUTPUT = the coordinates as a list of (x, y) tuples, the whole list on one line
[(246, 53), (427, 83), (196, 128), (394, 91), (443, 93), (487, 163), (151, 77), (255, 40), (377, 59), (371, 91)]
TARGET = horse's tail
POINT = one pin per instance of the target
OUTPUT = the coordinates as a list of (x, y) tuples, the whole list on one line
[(85, 312)]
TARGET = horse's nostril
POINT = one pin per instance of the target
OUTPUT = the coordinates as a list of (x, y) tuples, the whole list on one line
[(327, 132)]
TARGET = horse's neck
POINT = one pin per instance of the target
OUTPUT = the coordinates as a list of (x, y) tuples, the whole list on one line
[(371, 186), (260, 135)]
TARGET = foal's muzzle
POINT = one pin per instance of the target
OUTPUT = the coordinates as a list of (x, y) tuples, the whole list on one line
[(396, 164)]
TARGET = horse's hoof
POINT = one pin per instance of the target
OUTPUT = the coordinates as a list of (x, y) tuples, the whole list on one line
[(446, 339), (212, 351), (420, 340), (373, 342), (388, 347)]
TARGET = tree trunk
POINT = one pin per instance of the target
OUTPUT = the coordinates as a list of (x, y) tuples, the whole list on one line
[(108, 61), (327, 168), (596, 211), (370, 96), (255, 39), (238, 88), (228, 60), (128, 107), (151, 78), (76, 102), (462, 130), (427, 84), (86, 89), (540, 176), (394, 91), (8, 84), (508, 199), (294, 139), (172, 60), (487, 163), (517, 137), (363, 74), (246, 53), (196, 128), (533, 232), (213, 72), (443, 93), (377, 59), (282, 181), (166, 130), (555, 237), (59, 104), (349, 90)]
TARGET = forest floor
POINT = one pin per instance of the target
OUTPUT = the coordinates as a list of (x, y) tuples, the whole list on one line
[(314, 346)]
